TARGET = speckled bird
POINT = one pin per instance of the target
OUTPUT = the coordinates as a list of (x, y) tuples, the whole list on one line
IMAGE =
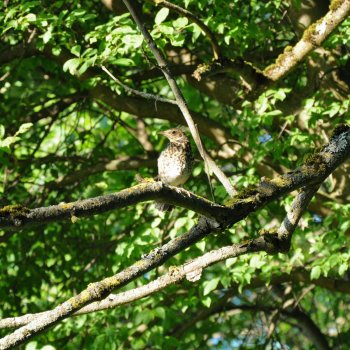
[(175, 162)]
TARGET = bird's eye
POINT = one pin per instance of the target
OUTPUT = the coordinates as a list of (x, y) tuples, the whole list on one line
[(173, 132)]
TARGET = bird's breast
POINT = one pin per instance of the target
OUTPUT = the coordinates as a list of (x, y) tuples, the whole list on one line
[(174, 168)]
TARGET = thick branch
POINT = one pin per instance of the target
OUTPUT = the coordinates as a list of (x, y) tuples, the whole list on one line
[(290, 222), (309, 327), (316, 169), (175, 274), (312, 38), (297, 275), (20, 217)]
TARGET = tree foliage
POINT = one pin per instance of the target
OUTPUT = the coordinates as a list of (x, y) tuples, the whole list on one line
[(70, 131)]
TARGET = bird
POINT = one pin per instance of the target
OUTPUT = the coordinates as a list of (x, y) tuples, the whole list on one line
[(175, 162)]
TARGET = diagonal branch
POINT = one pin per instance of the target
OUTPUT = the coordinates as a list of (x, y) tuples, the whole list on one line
[(312, 37), (175, 275), (146, 95), (180, 100), (100, 290)]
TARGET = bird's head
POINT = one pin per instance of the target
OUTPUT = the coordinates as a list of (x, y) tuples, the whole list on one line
[(175, 135)]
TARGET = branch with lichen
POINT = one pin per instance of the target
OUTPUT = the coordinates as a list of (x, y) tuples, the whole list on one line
[(312, 38), (175, 275), (191, 270), (315, 169), (18, 217), (100, 290)]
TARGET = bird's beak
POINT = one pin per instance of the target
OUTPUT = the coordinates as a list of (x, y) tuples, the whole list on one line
[(162, 133)]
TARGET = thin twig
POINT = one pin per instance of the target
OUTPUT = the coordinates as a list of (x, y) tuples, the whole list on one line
[(193, 18), (137, 92)]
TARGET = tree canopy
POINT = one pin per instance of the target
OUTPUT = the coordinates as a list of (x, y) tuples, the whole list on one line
[(255, 253)]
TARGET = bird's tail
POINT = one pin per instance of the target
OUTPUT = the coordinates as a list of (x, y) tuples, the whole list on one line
[(163, 206)]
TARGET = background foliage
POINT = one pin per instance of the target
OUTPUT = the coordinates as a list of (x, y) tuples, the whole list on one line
[(59, 130)]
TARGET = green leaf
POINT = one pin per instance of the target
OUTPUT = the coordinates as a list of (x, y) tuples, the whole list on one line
[(31, 17), (32, 345), (178, 40), (345, 226), (210, 285), (180, 23), (206, 301), (167, 29), (256, 262), (71, 65), (75, 50), (8, 141), (2, 131), (161, 15), (56, 50), (126, 62), (343, 268), (315, 273), (230, 262), (160, 312), (180, 222), (47, 35), (201, 245), (24, 128), (133, 41)]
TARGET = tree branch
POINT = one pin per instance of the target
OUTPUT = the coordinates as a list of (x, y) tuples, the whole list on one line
[(312, 37), (318, 168), (99, 290), (180, 100), (309, 327), (305, 323), (297, 275), (145, 95), (312, 173), (190, 269), (178, 273), (17, 217)]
